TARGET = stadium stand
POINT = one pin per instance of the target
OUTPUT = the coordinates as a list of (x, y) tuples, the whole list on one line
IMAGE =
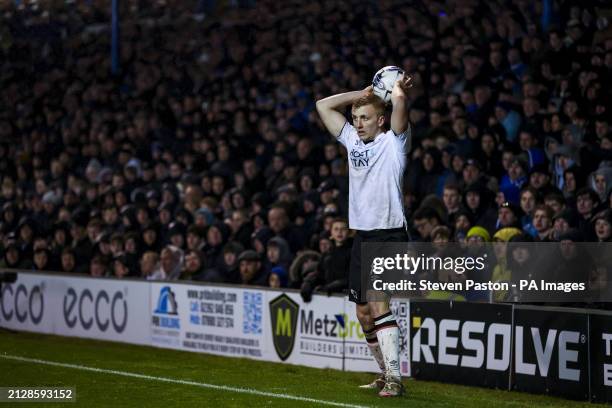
[(204, 158)]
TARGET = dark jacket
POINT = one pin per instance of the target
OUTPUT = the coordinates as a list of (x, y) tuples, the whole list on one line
[(334, 267)]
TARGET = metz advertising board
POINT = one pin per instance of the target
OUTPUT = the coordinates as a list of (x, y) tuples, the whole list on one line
[(262, 324), (311, 333), (324, 333), (104, 309)]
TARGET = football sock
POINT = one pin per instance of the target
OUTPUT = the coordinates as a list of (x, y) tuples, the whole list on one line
[(387, 333), (372, 340)]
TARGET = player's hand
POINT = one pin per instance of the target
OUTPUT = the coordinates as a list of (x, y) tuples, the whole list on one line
[(400, 89), (402, 85)]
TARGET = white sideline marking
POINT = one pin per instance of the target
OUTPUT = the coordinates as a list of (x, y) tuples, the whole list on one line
[(183, 382)]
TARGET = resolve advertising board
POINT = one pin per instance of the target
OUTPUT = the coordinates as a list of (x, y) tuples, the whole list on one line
[(462, 343), (601, 357), (551, 352)]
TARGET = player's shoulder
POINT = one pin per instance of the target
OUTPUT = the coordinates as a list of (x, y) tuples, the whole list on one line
[(400, 142), (406, 132), (348, 131), (349, 128), (402, 137), (347, 135), (390, 134)]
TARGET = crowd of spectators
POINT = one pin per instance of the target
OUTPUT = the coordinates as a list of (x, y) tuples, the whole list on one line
[(203, 157)]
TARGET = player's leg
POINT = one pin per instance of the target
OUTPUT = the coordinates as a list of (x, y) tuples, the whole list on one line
[(367, 325), (387, 329), (363, 311), (387, 332)]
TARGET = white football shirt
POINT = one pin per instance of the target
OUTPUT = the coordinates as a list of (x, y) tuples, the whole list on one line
[(376, 172)]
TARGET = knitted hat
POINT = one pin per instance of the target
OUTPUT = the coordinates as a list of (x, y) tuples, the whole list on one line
[(478, 231)]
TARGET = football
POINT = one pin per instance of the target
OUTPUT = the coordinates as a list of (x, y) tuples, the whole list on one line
[(383, 81)]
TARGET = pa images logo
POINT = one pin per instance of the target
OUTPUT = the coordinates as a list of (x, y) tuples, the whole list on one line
[(284, 317)]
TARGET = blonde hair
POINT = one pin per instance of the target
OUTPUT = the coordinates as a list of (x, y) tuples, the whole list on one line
[(371, 99)]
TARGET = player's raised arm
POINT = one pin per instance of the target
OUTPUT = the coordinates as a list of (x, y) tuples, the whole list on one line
[(330, 109), (399, 114)]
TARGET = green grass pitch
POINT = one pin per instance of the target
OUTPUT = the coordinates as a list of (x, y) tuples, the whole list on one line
[(106, 389)]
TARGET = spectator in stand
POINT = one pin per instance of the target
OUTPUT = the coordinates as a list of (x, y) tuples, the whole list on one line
[(425, 220), (194, 268), (241, 227), (542, 223), (196, 238), (280, 226), (539, 179), (121, 267), (68, 262), (562, 223), (334, 265), (304, 264), (170, 264), (277, 255), (176, 234), (80, 243), (512, 182), (150, 237), (603, 226), (278, 277), (98, 267), (452, 199), (556, 202), (586, 203), (13, 258), (216, 237), (230, 269), (41, 260), (251, 270), (520, 259), (149, 265), (601, 182), (508, 215), (501, 272), (528, 202)]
